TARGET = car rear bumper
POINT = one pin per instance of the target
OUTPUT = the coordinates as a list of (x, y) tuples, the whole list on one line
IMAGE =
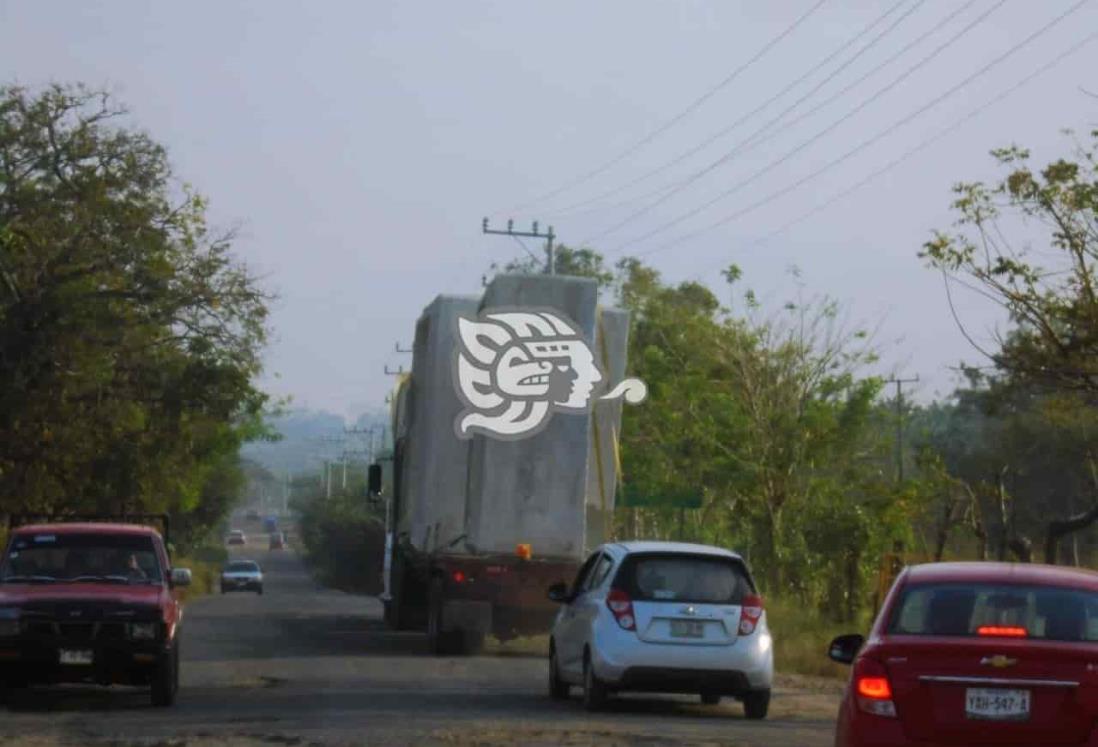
[(625, 662), (233, 585)]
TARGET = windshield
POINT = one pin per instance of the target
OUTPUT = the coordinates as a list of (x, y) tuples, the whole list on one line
[(241, 567), (1056, 614), (683, 578), (119, 558)]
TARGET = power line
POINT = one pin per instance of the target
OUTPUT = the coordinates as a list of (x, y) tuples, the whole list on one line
[(879, 136), (850, 114), (750, 142), (930, 140), (693, 106), (813, 69)]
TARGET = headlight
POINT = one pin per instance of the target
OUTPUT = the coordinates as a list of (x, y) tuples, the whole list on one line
[(143, 631), (9, 621)]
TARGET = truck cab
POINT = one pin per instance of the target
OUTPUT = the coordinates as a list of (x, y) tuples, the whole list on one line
[(90, 601)]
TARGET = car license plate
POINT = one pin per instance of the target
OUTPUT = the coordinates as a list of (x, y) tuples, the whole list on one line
[(77, 657), (996, 704), (687, 629)]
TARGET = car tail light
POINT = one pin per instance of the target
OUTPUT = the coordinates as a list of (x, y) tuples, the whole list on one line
[(872, 690), (1002, 631), (622, 607), (750, 611)]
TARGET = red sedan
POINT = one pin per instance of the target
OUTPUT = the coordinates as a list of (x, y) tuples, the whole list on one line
[(976, 654)]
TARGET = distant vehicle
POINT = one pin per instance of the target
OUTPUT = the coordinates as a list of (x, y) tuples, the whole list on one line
[(242, 575), (252, 515), (270, 524), (662, 617), (975, 653), (90, 602), (236, 537), (278, 541)]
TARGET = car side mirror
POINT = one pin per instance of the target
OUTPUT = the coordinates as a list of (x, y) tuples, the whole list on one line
[(845, 648), (179, 577), (558, 592)]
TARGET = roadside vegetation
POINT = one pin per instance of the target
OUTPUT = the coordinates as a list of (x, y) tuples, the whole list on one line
[(130, 335)]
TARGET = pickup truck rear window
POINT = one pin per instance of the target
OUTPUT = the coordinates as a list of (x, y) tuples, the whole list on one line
[(677, 577), (1042, 612), (71, 557)]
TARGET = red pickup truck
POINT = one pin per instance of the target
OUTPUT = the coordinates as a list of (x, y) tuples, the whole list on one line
[(90, 601)]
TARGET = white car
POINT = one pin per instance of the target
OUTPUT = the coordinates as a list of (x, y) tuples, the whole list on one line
[(662, 617), (242, 575)]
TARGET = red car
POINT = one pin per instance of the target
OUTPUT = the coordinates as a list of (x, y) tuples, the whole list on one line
[(90, 602), (976, 654)]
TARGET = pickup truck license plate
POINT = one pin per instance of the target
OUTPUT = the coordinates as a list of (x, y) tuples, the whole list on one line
[(687, 629), (996, 704), (78, 657)]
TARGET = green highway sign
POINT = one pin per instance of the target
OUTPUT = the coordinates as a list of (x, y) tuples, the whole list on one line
[(631, 496)]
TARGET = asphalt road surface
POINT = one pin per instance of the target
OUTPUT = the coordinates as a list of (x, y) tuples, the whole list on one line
[(303, 665)]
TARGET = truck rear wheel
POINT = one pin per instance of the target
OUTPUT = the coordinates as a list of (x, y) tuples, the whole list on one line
[(440, 642)]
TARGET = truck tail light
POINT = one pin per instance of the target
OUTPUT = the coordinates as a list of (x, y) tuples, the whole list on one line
[(750, 611), (872, 690), (524, 551), (622, 608), (458, 576)]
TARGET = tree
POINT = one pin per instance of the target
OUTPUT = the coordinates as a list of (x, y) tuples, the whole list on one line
[(131, 335), (1045, 279)]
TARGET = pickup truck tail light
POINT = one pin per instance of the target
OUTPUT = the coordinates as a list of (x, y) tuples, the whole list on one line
[(872, 690), (750, 611), (621, 606)]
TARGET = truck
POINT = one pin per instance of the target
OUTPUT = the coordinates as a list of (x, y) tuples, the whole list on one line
[(90, 599), (478, 529)]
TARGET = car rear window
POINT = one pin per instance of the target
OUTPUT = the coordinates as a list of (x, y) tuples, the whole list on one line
[(241, 566), (675, 577), (1042, 612)]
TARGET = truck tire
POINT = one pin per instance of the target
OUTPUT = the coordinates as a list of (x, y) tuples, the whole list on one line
[(440, 642), (165, 682), (756, 704)]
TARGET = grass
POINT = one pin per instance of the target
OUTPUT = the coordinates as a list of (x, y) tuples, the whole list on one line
[(801, 636)]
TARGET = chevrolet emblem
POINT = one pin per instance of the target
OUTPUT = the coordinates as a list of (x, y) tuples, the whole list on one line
[(999, 661)]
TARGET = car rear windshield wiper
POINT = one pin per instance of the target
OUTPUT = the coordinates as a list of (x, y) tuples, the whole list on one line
[(28, 579)]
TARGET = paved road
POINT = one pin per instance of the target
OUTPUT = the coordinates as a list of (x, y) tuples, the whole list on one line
[(305, 665)]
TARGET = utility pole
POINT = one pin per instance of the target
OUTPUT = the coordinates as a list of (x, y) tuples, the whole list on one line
[(899, 382), (550, 261)]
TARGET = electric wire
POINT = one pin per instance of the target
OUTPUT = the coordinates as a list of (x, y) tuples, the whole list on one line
[(825, 131), (907, 119), (693, 106)]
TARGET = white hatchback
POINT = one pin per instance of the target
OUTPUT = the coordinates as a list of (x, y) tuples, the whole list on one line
[(662, 617)]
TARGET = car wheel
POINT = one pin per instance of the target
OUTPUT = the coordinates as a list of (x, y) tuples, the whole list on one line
[(165, 682), (710, 698), (260, 591), (594, 692), (756, 704), (558, 688)]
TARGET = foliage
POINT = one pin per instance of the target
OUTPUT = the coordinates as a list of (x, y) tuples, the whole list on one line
[(129, 336), (344, 540)]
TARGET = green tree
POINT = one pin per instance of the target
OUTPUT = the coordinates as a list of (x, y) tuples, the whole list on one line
[(131, 335)]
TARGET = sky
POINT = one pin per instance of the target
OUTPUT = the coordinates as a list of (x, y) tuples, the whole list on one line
[(358, 145)]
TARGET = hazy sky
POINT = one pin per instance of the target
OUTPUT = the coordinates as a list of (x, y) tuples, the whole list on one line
[(360, 144)]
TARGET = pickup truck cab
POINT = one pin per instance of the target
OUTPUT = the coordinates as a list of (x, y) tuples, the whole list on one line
[(90, 602)]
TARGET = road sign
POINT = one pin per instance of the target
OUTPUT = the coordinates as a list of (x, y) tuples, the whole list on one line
[(633, 496)]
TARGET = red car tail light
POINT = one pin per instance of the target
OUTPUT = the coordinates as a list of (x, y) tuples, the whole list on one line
[(750, 611), (1003, 631), (622, 608), (872, 690)]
